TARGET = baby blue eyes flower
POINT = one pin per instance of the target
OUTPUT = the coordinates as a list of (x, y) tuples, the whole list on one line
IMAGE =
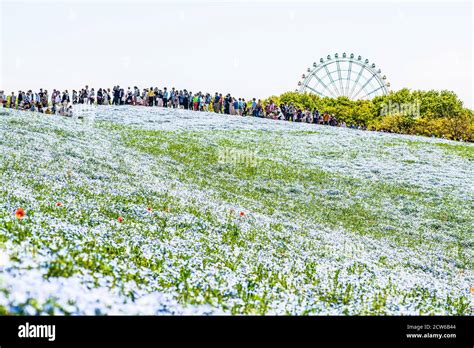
[(233, 249)]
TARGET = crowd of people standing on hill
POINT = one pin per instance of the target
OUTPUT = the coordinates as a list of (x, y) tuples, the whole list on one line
[(62, 103)]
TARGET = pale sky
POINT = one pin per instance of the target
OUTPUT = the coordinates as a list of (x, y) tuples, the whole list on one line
[(247, 48)]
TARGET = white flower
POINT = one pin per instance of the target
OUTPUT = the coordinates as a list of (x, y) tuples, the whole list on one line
[(4, 258)]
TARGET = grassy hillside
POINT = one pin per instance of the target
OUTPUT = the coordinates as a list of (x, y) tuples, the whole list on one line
[(155, 211)]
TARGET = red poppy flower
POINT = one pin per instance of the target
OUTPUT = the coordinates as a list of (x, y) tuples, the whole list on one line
[(120, 219), (149, 209), (58, 204), (242, 213), (20, 213)]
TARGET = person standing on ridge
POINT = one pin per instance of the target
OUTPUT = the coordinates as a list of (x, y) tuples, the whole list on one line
[(151, 96), (165, 97), (216, 103)]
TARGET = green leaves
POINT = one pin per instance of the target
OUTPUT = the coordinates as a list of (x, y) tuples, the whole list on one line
[(430, 113)]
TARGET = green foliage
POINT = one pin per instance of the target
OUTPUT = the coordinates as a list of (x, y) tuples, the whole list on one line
[(428, 113), (460, 127)]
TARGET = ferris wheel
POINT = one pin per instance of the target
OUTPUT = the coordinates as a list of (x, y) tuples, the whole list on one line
[(346, 75)]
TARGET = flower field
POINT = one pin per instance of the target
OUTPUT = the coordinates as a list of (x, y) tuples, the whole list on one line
[(134, 210)]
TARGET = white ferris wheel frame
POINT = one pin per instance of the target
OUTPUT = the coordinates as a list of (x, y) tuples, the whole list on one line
[(343, 84)]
